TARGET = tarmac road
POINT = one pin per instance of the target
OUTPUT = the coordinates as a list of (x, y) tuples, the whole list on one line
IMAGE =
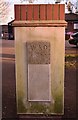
[(9, 86)]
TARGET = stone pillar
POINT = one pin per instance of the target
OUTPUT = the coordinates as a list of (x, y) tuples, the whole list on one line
[(40, 52)]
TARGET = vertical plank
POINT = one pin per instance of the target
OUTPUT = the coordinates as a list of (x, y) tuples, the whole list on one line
[(30, 12), (49, 12), (36, 12), (62, 12), (17, 12), (42, 12), (23, 12), (56, 12)]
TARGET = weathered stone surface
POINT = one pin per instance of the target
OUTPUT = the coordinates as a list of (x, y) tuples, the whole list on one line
[(38, 52), (55, 105)]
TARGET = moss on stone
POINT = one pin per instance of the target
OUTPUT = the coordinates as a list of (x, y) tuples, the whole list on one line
[(37, 108), (58, 106), (21, 107)]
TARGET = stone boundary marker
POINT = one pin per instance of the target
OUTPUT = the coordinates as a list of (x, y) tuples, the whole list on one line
[(40, 50)]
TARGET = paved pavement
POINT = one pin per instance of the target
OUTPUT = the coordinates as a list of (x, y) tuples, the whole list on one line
[(9, 111)]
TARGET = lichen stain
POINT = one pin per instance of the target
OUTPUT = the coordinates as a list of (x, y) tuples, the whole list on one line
[(21, 107), (58, 106)]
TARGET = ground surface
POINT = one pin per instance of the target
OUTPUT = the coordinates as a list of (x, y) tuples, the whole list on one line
[(9, 111)]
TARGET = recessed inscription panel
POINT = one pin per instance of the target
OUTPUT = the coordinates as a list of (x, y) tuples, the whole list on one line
[(38, 71), (38, 52), (39, 82)]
